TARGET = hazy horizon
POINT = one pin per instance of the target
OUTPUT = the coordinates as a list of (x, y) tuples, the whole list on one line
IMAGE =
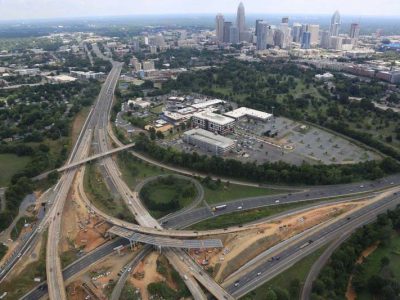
[(14, 10)]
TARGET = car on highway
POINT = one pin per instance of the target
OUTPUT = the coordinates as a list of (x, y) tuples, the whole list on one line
[(237, 283), (259, 273), (240, 207), (277, 201)]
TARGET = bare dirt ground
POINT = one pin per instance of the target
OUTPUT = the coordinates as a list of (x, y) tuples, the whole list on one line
[(350, 292), (101, 275), (148, 270), (243, 246), (80, 228), (75, 291)]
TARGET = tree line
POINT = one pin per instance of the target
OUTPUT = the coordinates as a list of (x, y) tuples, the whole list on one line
[(269, 172), (334, 277)]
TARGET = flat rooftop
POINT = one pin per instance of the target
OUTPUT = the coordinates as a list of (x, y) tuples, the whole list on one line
[(248, 112), (210, 138), (215, 118)]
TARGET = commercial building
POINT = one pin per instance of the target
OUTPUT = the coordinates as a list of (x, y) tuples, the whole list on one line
[(241, 22), (148, 65), (244, 112), (219, 27), (314, 33), (234, 35), (335, 24), (208, 103), (306, 40), (262, 29), (355, 31), (209, 142), (213, 122), (87, 75), (227, 32)]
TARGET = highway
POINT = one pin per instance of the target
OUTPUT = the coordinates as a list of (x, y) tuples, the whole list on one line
[(56, 288), (320, 263), (90, 258), (265, 269), (97, 124)]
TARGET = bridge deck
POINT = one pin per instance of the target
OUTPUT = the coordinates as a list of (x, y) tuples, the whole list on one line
[(165, 241)]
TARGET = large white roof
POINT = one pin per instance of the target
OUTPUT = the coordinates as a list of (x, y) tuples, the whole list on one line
[(248, 112), (215, 118)]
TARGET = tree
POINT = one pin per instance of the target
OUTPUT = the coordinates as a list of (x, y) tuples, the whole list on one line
[(271, 295)]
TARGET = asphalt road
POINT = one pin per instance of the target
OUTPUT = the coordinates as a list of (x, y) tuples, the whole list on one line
[(265, 270)]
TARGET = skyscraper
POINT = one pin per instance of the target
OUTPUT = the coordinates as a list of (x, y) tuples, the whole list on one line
[(262, 29), (241, 21), (227, 32), (355, 31), (325, 39), (257, 22), (305, 40), (314, 31), (296, 32), (335, 24), (285, 20), (234, 35), (219, 26)]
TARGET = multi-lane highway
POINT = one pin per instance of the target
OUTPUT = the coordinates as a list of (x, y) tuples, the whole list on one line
[(256, 274), (97, 125), (55, 281)]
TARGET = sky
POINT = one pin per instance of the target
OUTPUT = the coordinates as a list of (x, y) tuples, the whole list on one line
[(39, 9)]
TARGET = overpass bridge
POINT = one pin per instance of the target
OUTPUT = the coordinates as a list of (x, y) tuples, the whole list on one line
[(94, 157), (164, 241)]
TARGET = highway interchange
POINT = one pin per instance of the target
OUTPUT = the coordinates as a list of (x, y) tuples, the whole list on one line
[(97, 126)]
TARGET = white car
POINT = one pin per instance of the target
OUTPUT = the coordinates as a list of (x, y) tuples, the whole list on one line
[(259, 273), (240, 207), (277, 201)]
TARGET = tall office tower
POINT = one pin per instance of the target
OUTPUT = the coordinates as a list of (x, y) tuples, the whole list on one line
[(314, 31), (258, 22), (262, 28), (285, 38), (241, 21), (296, 30), (305, 40), (335, 24), (234, 35), (227, 32), (325, 39), (279, 38), (219, 26), (355, 31), (285, 20), (336, 42), (270, 35)]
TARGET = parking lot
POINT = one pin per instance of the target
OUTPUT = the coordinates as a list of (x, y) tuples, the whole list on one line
[(294, 142), (285, 140)]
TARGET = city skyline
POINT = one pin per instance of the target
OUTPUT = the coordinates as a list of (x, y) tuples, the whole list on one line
[(37, 9)]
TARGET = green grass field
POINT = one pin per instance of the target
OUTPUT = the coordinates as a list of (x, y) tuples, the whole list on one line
[(290, 280), (134, 170), (159, 196), (233, 191), (100, 196), (10, 165), (243, 217)]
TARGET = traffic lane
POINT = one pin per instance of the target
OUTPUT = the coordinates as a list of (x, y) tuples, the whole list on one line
[(331, 229), (199, 214), (78, 266)]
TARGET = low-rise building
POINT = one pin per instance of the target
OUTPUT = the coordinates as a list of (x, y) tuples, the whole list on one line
[(209, 142), (213, 122), (244, 112)]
